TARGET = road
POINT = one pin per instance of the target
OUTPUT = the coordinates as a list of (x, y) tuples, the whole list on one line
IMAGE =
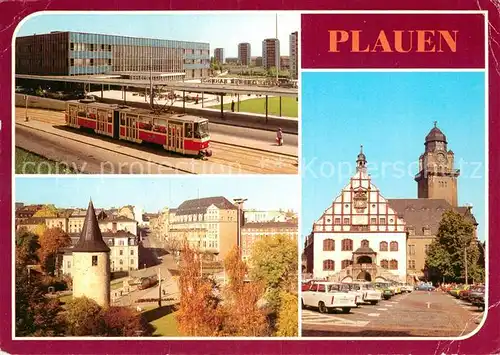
[(417, 314)]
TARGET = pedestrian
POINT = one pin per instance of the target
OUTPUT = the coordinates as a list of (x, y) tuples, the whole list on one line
[(197, 97), (232, 106)]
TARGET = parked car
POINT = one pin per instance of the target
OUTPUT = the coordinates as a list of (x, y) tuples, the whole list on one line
[(455, 292), (369, 293), (354, 290), (406, 288), (476, 297), (327, 296), (383, 287)]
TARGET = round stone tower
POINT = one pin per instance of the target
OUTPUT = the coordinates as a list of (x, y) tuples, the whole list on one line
[(91, 265)]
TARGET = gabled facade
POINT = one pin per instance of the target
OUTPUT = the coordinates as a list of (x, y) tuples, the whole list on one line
[(359, 236)]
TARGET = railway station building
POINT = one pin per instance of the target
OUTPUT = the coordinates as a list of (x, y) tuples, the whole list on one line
[(363, 235), (75, 53)]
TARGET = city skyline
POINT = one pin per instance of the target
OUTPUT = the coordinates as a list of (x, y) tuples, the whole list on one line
[(390, 114), (212, 29), (168, 192)]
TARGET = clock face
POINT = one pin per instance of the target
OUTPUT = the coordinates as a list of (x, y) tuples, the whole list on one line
[(441, 158)]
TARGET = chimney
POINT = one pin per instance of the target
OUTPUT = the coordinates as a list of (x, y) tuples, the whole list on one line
[(113, 229)]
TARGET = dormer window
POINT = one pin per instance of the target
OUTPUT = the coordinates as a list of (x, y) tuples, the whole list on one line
[(94, 260)]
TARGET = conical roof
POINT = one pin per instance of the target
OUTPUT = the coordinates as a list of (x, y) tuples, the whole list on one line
[(435, 135), (91, 237)]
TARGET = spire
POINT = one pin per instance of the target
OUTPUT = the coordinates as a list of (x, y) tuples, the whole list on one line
[(435, 124), (91, 237), (361, 161)]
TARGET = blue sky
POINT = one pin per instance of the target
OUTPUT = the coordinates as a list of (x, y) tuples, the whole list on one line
[(389, 113), (224, 30), (152, 194)]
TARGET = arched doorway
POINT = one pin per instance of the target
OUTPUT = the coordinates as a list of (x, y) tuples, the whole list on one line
[(365, 259), (364, 275)]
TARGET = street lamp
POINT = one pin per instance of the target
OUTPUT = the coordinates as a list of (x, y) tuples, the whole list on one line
[(239, 203)]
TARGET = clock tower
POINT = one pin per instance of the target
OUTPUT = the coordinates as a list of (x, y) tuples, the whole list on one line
[(437, 177)]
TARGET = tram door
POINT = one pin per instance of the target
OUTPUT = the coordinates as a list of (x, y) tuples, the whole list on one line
[(175, 137), (102, 121), (72, 115), (131, 127)]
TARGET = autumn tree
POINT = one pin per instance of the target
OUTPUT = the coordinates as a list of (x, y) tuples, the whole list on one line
[(454, 245), (51, 241), (125, 321), (35, 314), (287, 325), (26, 248), (40, 229), (46, 211), (84, 317), (274, 261), (242, 315), (198, 313)]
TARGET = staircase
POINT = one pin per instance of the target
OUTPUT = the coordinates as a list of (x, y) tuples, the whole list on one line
[(376, 272)]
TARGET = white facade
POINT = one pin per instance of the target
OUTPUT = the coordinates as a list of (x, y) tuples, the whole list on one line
[(359, 223), (374, 240)]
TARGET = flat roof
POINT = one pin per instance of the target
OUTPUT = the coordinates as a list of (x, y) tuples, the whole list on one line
[(180, 86)]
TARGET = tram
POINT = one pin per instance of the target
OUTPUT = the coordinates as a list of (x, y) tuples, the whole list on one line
[(180, 133)]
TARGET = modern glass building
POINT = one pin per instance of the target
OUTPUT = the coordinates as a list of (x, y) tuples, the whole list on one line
[(75, 53)]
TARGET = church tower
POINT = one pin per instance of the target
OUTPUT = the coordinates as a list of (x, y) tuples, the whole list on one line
[(91, 265), (437, 177)]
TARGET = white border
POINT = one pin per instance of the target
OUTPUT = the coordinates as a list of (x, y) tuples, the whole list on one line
[(299, 241)]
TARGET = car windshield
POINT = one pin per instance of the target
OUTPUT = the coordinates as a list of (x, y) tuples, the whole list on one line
[(367, 287), (335, 288), (354, 287), (201, 129)]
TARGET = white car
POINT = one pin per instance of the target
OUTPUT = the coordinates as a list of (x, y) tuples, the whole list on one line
[(406, 288), (327, 296), (355, 290), (370, 295)]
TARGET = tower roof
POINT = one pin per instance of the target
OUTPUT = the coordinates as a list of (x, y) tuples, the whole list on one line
[(435, 135), (91, 237)]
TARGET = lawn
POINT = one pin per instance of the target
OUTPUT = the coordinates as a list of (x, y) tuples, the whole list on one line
[(29, 163), (163, 319), (289, 106)]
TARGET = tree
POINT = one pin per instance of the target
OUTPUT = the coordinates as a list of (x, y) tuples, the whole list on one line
[(274, 261), (288, 314), (26, 248), (454, 242), (51, 241), (84, 317), (125, 321), (243, 317), (40, 229), (198, 313), (35, 314), (46, 211)]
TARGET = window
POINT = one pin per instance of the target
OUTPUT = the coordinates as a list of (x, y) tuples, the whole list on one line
[(373, 220), (393, 265), (72, 62), (365, 244), (91, 62), (328, 245), (321, 288), (109, 61), (346, 245), (131, 261), (411, 249), (346, 220), (121, 262), (69, 264), (94, 260), (384, 264), (383, 246), (394, 246), (337, 220), (188, 130), (411, 264), (328, 265), (382, 220), (426, 248), (132, 252), (121, 252)]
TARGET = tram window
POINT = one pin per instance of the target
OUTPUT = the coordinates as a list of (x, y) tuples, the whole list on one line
[(110, 117), (188, 130), (122, 119), (201, 129)]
